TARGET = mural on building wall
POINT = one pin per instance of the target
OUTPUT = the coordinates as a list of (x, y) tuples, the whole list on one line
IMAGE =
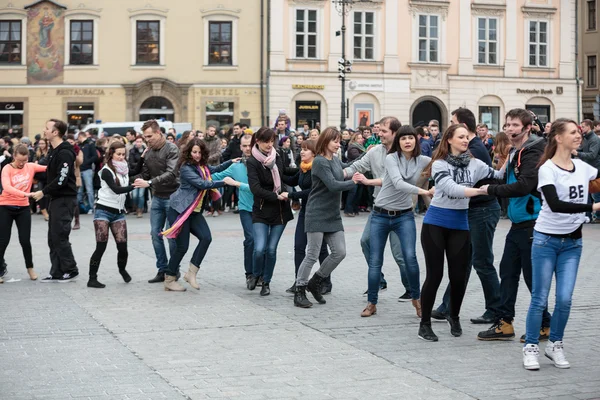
[(45, 44)]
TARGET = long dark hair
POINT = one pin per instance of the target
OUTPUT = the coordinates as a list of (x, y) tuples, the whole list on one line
[(558, 128), (185, 156), (405, 130), (444, 147), (117, 144)]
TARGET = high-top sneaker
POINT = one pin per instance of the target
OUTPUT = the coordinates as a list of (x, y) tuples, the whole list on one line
[(531, 353), (455, 328), (300, 299), (426, 333), (314, 286), (544, 335), (554, 351), (501, 330)]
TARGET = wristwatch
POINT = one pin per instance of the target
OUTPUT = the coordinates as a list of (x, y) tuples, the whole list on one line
[(150, 182)]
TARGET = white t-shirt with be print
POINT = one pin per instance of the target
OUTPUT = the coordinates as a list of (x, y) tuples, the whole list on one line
[(571, 187)]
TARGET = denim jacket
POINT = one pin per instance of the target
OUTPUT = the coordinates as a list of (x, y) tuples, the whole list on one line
[(191, 183)]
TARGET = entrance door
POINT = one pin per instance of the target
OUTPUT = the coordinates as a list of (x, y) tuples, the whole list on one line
[(424, 112), (308, 112), (157, 108)]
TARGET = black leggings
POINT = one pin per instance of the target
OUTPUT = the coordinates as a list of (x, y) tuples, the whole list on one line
[(22, 217), (456, 244)]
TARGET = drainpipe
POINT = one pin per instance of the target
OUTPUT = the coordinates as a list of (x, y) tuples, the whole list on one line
[(268, 123), (262, 62), (577, 82)]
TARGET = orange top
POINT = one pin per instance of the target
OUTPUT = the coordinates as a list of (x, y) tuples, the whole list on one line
[(16, 183)]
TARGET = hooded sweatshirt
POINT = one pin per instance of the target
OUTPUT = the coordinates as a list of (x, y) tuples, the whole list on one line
[(61, 172)]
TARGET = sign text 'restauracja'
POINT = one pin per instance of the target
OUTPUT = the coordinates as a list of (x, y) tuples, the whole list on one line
[(80, 92)]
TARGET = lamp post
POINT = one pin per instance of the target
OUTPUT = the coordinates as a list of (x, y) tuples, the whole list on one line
[(344, 66)]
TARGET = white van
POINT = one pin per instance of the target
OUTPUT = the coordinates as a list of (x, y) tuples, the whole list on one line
[(110, 128)]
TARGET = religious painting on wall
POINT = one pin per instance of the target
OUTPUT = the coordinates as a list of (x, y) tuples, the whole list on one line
[(363, 114), (45, 43)]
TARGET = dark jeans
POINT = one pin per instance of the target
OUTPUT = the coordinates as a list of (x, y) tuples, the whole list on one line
[(516, 258), (158, 216), (300, 242), (22, 217), (246, 220), (197, 226), (482, 225), (61, 212), (352, 199), (266, 239)]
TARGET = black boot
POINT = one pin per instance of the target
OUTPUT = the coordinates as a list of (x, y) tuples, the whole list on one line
[(326, 286), (455, 328), (160, 277), (124, 274), (266, 290), (122, 256), (314, 286), (251, 282), (93, 281), (300, 299), (292, 289)]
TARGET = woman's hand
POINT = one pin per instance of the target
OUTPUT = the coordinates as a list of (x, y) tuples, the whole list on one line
[(230, 181), (596, 207), (423, 192), (236, 160), (283, 196)]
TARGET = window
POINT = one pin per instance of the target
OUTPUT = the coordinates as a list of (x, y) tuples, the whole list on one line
[(10, 42), (592, 78), (428, 38), (11, 117), (538, 43), (82, 42), (79, 115), (219, 48), (306, 33), (219, 113), (148, 42), (490, 116), (487, 41), (591, 14), (364, 39)]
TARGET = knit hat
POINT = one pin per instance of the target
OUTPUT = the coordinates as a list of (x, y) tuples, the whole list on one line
[(282, 140)]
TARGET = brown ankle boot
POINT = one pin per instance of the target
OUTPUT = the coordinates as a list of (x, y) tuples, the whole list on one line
[(417, 305), (371, 309), (172, 285), (76, 226), (32, 275), (190, 276)]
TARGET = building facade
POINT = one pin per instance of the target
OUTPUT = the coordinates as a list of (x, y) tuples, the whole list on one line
[(114, 61), (589, 51), (421, 59)]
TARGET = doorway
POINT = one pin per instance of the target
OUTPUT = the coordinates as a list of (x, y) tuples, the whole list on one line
[(424, 112)]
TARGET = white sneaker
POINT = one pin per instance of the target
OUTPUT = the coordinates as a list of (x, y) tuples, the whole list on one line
[(554, 351), (531, 353), (227, 208), (215, 214)]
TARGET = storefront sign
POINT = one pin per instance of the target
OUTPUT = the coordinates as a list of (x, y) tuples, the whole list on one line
[(535, 91), (80, 92), (367, 86), (312, 87), (308, 107), (220, 92), (11, 107)]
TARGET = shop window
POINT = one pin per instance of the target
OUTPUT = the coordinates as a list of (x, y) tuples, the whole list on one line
[(308, 112), (82, 42), (148, 42), (541, 111), (79, 115), (490, 116), (219, 113), (10, 42), (219, 48), (11, 118)]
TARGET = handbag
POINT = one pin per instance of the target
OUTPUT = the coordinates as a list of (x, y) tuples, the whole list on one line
[(594, 186)]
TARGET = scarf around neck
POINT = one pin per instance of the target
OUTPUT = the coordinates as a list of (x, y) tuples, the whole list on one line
[(269, 161), (121, 167), (459, 161), (305, 167)]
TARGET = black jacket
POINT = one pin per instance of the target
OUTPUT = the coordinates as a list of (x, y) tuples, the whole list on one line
[(267, 209), (60, 173), (233, 150), (89, 155), (135, 157), (304, 180)]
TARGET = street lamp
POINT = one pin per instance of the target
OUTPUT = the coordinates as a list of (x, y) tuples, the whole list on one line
[(344, 66)]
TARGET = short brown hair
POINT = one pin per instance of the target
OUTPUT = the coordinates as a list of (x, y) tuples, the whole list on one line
[(523, 115), (151, 124), (22, 150), (309, 145), (588, 123), (59, 126), (264, 135), (393, 122), (330, 134)]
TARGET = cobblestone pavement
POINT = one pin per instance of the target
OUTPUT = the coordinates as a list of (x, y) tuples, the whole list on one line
[(136, 341)]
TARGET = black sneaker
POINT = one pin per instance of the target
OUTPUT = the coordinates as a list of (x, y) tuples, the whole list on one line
[(265, 291), (3, 270), (544, 335), (426, 333), (383, 287), (405, 297), (49, 279), (501, 330), (70, 277), (455, 328), (438, 316), (251, 283)]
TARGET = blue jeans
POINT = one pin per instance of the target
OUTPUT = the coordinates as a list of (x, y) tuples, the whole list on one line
[(352, 199), (87, 180), (246, 220), (197, 226), (137, 198), (550, 256), (158, 218), (516, 258), (103, 215), (266, 239), (482, 225), (404, 227), (396, 248)]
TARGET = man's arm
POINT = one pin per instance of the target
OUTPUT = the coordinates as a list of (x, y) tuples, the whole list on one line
[(526, 181), (361, 165), (66, 160), (591, 155)]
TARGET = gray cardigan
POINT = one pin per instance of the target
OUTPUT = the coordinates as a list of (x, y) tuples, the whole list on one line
[(323, 206)]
